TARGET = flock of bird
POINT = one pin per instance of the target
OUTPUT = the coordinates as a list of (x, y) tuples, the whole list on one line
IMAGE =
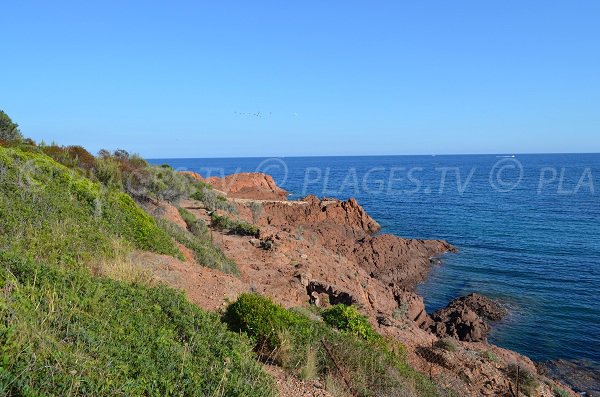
[(259, 114)]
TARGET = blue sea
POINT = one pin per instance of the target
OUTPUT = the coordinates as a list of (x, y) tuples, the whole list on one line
[(527, 227)]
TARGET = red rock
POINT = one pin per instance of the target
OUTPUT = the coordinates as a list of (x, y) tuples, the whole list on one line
[(249, 186)]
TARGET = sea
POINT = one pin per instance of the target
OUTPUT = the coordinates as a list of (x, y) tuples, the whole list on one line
[(527, 227)]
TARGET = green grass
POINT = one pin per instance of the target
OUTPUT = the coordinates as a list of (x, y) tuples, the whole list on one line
[(67, 333), (297, 343), (238, 227), (52, 214), (205, 252)]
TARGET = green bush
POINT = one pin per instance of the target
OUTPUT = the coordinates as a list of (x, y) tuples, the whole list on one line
[(205, 252), (240, 228), (157, 184), (349, 320), (66, 333), (308, 347), (211, 199), (9, 131), (51, 213), (195, 226)]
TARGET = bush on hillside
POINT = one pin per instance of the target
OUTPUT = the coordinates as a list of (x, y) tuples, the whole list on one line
[(68, 333), (205, 252), (51, 213), (157, 184), (305, 346), (238, 227), (211, 199), (348, 319)]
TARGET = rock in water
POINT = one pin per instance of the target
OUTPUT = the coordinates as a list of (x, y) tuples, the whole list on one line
[(465, 318)]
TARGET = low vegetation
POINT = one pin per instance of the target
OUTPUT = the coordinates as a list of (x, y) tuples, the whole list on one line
[(205, 252), (238, 227), (344, 362), (348, 319), (212, 199), (67, 333), (528, 382), (51, 213)]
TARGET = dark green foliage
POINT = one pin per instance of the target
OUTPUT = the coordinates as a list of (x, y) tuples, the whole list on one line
[(205, 252), (51, 213), (297, 343), (349, 320), (9, 131), (66, 333), (240, 228)]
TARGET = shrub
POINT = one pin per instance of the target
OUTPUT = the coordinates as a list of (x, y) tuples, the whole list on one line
[(558, 392), (489, 355), (195, 226), (157, 184), (68, 333), (240, 228), (50, 213), (528, 382), (349, 320), (308, 347), (205, 252), (447, 344), (211, 199), (9, 131)]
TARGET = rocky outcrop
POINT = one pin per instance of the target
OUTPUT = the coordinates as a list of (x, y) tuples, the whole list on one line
[(465, 318), (249, 185), (396, 261)]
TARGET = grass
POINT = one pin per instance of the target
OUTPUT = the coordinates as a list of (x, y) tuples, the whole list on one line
[(52, 214), (205, 252), (238, 227), (67, 333), (308, 348)]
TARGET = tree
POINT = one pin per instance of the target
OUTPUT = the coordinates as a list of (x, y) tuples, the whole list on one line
[(9, 131)]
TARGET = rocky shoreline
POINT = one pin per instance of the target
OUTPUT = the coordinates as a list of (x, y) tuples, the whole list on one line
[(327, 251)]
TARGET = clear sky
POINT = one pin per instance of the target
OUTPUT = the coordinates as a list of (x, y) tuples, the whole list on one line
[(184, 79)]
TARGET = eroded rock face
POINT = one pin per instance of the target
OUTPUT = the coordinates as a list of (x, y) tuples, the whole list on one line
[(249, 185), (397, 261), (465, 318)]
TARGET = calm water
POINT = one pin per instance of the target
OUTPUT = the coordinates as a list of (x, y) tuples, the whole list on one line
[(528, 230)]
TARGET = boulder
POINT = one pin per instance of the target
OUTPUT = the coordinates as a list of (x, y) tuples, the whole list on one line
[(465, 318)]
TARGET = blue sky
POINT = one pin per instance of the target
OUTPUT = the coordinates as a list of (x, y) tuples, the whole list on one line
[(170, 79)]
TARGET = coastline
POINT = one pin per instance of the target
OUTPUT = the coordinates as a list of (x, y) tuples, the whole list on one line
[(377, 272)]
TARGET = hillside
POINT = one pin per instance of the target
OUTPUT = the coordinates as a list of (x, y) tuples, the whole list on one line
[(122, 278)]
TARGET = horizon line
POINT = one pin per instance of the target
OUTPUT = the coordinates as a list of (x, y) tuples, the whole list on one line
[(374, 155)]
